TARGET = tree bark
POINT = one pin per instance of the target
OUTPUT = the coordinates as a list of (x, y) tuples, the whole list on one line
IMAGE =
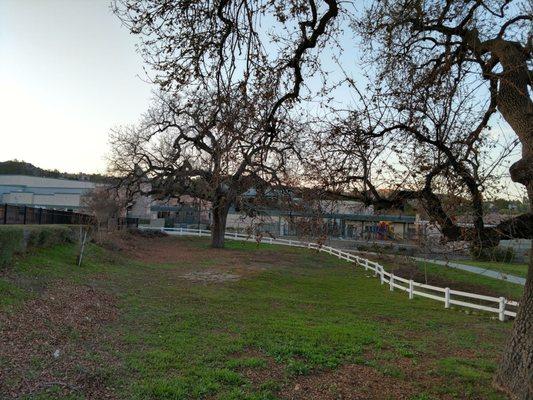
[(515, 373), (220, 216)]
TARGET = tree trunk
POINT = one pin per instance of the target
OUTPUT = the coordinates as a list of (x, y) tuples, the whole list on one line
[(220, 215), (515, 373)]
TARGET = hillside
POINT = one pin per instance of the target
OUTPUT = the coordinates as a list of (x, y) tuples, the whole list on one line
[(15, 167)]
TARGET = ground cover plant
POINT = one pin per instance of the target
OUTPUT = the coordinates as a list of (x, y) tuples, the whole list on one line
[(170, 318)]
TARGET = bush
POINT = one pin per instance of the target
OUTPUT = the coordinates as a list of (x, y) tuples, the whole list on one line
[(17, 239), (45, 236), (499, 254), (11, 242), (406, 251)]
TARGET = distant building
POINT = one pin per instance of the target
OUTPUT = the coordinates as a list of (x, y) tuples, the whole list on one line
[(43, 192), (339, 217), (140, 206), (181, 211)]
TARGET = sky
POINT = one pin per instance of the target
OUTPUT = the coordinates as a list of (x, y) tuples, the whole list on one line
[(69, 73)]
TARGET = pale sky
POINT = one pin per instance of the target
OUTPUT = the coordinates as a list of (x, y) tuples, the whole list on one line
[(69, 72)]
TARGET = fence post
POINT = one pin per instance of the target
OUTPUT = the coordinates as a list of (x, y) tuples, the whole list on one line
[(375, 268), (502, 308), (411, 294), (40, 215), (25, 215), (381, 273), (391, 282), (447, 297), (5, 214)]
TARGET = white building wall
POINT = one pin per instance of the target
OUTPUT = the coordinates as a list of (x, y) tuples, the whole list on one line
[(37, 182), (18, 198), (345, 207), (141, 208), (43, 192), (68, 200), (239, 221)]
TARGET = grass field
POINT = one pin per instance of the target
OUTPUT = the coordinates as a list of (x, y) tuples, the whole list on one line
[(506, 268), (497, 287), (440, 275), (167, 318)]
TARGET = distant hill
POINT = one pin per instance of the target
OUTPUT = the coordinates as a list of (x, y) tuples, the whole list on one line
[(15, 167)]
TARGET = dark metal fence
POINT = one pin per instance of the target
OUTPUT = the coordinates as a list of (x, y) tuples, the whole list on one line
[(24, 215)]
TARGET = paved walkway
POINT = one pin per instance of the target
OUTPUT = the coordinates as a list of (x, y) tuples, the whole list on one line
[(478, 270)]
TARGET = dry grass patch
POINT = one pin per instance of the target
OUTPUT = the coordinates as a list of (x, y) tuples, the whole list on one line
[(45, 344)]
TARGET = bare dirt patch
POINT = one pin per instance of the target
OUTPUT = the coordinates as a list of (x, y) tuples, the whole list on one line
[(171, 249), (272, 372), (55, 341), (210, 277), (194, 261), (348, 382), (151, 249)]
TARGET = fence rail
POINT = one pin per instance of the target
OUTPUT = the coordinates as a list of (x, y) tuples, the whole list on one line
[(498, 305)]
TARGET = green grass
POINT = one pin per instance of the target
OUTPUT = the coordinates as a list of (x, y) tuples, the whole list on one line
[(10, 294), (455, 277), (501, 288), (506, 268), (304, 314)]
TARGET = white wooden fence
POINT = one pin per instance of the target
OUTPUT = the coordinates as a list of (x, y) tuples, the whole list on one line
[(498, 305)]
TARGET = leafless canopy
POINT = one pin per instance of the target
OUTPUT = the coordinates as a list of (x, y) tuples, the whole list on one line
[(229, 72)]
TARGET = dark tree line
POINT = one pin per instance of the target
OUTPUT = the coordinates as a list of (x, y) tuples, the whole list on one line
[(232, 74)]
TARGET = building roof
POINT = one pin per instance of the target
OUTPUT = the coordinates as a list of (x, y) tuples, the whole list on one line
[(38, 182)]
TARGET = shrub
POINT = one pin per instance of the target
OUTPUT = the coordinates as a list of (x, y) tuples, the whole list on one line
[(45, 236), (499, 254), (11, 242), (16, 239)]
